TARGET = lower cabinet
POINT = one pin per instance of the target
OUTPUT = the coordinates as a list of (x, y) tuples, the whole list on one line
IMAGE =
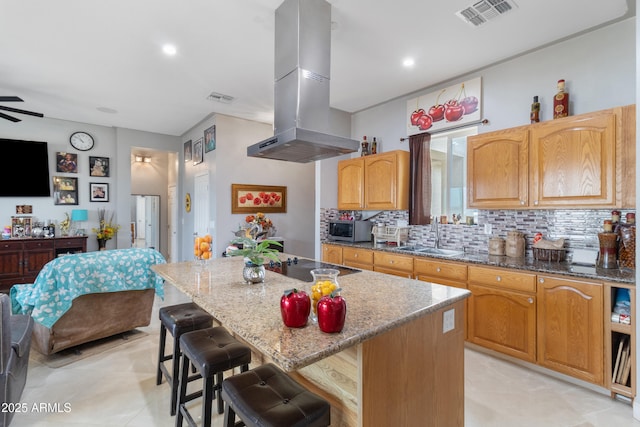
[(358, 258), (398, 265), (570, 328), (332, 254)]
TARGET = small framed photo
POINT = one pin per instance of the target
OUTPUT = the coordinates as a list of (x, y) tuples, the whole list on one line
[(210, 139), (66, 162), (98, 166), (99, 192), (197, 152), (65, 190), (187, 151)]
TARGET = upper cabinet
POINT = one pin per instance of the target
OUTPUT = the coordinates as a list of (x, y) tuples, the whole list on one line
[(579, 161), (375, 182)]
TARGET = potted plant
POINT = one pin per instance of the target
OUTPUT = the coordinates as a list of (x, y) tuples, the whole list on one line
[(255, 254)]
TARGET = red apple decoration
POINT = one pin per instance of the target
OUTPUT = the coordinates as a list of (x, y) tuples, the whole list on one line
[(332, 312), (424, 122), (295, 307), (416, 115), (470, 104)]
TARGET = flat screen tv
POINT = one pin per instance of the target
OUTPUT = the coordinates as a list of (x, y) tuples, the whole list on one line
[(24, 172)]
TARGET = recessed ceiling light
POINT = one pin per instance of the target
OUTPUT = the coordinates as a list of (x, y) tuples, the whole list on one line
[(169, 49), (408, 62)]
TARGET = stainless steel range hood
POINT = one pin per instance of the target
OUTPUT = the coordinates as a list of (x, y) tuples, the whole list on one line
[(302, 65)]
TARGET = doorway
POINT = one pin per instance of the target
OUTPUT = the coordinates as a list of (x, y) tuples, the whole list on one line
[(145, 221)]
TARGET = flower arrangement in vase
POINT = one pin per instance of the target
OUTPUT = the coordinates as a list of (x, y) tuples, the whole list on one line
[(106, 228)]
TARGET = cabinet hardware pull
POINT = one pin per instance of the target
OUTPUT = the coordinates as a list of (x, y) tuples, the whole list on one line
[(438, 269), (530, 300), (498, 278), (541, 280), (522, 202)]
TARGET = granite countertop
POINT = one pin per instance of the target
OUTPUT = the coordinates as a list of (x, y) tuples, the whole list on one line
[(376, 303), (622, 275)]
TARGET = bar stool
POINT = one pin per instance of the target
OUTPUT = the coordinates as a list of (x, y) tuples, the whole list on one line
[(268, 397), (211, 351), (177, 319)]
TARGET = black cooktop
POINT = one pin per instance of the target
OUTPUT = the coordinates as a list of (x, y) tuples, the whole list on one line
[(301, 268)]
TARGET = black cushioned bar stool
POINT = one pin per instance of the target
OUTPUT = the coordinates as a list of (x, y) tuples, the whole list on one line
[(177, 319), (267, 397), (211, 351)]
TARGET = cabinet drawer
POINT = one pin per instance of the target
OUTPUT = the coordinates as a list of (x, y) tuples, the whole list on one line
[(395, 262), (70, 243), (7, 245), (438, 268), (39, 244), (524, 282), (357, 256)]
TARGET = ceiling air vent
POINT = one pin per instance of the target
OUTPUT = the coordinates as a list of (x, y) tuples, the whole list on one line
[(218, 97), (483, 11)]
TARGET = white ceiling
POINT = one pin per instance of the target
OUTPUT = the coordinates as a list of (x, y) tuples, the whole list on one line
[(70, 58)]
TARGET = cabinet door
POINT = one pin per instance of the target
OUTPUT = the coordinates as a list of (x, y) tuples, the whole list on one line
[(386, 181), (573, 161), (570, 328), (37, 253), (497, 169), (332, 254), (502, 320), (11, 260), (351, 184)]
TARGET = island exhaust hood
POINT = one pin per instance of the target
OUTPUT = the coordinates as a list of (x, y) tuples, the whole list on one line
[(302, 65)]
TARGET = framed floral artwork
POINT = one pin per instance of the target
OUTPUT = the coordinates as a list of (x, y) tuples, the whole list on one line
[(197, 152), (247, 198)]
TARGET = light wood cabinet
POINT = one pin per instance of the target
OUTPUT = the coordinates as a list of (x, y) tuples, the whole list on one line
[(398, 265), (375, 182), (502, 311), (358, 258), (578, 161), (617, 336), (570, 327), (332, 254)]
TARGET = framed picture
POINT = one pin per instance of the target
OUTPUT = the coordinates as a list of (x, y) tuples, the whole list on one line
[(98, 166), (66, 162), (210, 139), (246, 198), (187, 151), (65, 190), (197, 152), (98, 192), (20, 226)]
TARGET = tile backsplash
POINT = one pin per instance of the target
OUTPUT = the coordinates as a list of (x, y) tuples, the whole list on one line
[(579, 227)]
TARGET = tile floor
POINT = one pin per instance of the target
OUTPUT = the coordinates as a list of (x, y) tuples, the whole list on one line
[(118, 388)]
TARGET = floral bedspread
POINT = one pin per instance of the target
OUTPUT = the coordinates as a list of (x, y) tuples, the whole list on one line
[(70, 276)]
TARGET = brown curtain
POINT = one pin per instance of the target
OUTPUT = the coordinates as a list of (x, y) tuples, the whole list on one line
[(420, 179)]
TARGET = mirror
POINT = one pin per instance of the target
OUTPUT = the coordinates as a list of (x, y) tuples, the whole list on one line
[(449, 173), (145, 221)]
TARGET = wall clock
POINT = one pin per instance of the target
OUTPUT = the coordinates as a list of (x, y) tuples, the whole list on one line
[(187, 202), (81, 141)]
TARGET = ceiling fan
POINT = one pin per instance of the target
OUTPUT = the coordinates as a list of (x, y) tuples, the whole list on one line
[(14, 110)]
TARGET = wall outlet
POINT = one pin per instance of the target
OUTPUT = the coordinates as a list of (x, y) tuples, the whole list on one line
[(449, 320), (487, 229)]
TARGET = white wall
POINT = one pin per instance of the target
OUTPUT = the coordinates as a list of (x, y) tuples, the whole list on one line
[(228, 164)]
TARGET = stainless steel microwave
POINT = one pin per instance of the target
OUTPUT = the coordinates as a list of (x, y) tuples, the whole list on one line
[(350, 231)]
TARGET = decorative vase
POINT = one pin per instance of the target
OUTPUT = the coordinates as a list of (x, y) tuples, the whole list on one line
[(102, 244), (253, 273)]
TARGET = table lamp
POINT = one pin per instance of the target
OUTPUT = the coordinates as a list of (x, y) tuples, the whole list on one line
[(79, 215)]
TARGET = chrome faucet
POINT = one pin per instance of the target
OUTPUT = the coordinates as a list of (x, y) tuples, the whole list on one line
[(434, 227)]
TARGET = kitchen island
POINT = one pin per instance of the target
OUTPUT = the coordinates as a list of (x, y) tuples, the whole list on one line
[(398, 361)]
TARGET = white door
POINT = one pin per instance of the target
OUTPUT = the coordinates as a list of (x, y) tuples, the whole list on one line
[(200, 205), (172, 225), (140, 218)]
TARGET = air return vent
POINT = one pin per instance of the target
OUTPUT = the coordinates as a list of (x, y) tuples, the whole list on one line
[(218, 97), (483, 11)]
